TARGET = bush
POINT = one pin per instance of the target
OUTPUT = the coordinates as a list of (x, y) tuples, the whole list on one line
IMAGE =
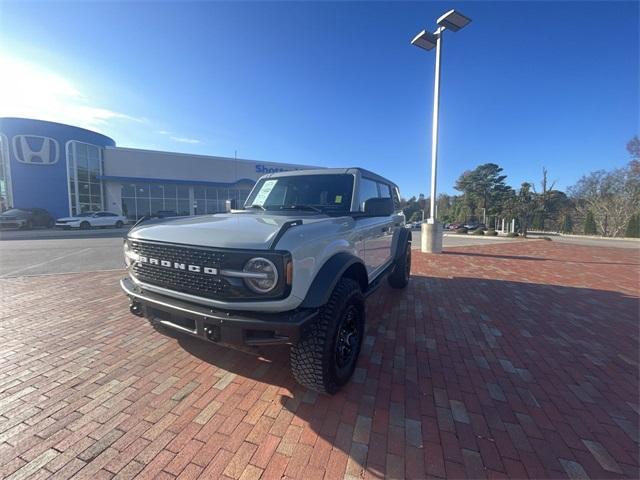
[(491, 232), (478, 231), (512, 234), (462, 230)]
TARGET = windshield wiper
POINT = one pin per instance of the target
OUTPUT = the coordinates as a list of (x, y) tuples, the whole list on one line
[(302, 207), (255, 205)]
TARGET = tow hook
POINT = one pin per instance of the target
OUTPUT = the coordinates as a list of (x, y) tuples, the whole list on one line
[(135, 308)]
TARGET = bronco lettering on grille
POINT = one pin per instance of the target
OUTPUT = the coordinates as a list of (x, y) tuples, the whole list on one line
[(178, 265)]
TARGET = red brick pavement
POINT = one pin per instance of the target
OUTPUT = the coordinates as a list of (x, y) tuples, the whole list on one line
[(512, 360)]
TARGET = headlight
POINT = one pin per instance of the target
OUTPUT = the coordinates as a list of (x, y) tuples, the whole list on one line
[(129, 255), (260, 275)]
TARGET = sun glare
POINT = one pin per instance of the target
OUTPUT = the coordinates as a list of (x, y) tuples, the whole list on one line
[(32, 91)]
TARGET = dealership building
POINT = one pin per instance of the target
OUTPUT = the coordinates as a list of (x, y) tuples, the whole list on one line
[(68, 170)]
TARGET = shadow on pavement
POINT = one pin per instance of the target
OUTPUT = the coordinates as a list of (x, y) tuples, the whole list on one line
[(466, 377)]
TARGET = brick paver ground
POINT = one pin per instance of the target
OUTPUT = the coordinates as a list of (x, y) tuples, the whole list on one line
[(514, 360)]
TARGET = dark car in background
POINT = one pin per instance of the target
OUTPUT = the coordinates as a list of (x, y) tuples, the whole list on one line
[(166, 214), (26, 218)]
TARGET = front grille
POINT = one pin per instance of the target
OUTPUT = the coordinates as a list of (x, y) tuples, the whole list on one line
[(195, 283)]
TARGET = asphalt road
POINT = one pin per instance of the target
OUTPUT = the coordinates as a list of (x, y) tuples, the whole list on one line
[(56, 252)]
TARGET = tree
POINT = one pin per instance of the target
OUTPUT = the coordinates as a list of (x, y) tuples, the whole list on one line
[(522, 206), (611, 197), (566, 225), (633, 227), (443, 208), (590, 224), (633, 147), (544, 199), (485, 185), (412, 208)]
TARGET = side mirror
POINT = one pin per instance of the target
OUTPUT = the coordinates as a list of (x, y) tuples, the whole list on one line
[(378, 207), (229, 205)]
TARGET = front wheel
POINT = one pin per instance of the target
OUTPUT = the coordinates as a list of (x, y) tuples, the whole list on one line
[(325, 358), (119, 224), (85, 225), (399, 278)]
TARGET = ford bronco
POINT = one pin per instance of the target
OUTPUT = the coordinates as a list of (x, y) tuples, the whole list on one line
[(293, 267)]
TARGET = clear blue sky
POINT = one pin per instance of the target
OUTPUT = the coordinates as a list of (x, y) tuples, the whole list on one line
[(525, 85)]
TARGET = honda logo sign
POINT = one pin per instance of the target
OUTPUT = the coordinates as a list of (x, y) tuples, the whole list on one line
[(35, 150)]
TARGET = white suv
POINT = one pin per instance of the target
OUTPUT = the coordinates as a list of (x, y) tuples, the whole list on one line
[(294, 267)]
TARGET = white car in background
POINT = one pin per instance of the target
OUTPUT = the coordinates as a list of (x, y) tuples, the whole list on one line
[(92, 219)]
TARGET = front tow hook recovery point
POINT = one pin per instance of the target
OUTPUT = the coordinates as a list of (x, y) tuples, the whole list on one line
[(135, 307)]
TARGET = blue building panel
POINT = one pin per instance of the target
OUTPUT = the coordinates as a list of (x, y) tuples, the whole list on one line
[(38, 161)]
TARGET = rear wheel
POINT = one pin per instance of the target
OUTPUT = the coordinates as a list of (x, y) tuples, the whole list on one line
[(51, 223), (119, 224), (28, 225), (85, 225), (402, 270), (325, 358)]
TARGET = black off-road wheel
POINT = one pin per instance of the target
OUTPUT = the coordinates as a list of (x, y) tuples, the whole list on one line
[(399, 278), (325, 358)]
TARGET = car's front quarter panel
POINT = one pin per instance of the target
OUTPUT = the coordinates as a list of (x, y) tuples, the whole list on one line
[(311, 245)]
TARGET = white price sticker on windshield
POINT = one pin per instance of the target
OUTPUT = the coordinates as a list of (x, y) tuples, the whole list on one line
[(264, 192)]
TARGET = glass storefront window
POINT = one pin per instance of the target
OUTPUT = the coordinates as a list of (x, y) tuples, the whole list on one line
[(183, 192), (84, 169), (150, 198), (6, 199), (156, 190)]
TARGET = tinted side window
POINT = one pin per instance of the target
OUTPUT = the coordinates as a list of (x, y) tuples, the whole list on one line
[(368, 189), (385, 190)]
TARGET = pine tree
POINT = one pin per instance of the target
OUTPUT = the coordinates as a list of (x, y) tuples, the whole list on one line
[(590, 225)]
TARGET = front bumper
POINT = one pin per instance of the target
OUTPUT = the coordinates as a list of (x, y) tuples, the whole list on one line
[(12, 223), (226, 327), (66, 226)]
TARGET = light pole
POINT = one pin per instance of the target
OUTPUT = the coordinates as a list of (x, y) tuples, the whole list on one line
[(454, 21)]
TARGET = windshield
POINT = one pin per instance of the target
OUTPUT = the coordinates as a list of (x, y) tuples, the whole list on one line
[(85, 214), (316, 193)]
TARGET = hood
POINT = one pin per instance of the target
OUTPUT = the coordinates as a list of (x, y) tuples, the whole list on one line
[(234, 230)]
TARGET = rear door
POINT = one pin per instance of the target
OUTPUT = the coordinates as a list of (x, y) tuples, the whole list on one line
[(391, 223)]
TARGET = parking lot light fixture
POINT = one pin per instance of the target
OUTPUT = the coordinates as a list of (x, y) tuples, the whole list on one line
[(452, 20), (425, 40)]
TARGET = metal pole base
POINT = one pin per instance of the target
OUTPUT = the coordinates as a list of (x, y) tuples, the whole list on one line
[(431, 237)]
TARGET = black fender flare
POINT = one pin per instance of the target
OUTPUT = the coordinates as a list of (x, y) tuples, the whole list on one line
[(328, 276), (404, 237)]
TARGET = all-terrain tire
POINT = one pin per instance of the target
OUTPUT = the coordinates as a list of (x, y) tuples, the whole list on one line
[(399, 278), (314, 360)]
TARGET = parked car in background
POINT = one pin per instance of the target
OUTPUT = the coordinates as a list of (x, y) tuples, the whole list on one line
[(166, 214), (475, 226), (92, 219), (26, 218), (455, 226)]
